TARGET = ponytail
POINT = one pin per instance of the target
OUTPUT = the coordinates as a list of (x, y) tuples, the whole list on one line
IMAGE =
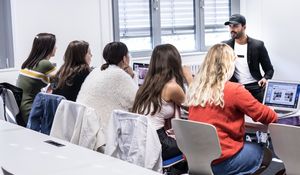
[(104, 66)]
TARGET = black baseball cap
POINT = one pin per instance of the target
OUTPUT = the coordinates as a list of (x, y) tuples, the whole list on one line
[(236, 19)]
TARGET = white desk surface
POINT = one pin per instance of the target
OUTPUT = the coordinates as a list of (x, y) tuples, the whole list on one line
[(8, 127), (24, 152)]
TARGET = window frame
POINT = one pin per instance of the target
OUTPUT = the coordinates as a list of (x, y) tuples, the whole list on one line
[(6, 34), (156, 27)]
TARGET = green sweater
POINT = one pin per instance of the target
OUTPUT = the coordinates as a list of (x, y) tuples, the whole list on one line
[(32, 81)]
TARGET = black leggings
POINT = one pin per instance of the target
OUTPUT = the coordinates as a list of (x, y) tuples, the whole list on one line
[(169, 145)]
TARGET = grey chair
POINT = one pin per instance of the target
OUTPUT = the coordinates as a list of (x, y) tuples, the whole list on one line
[(286, 143), (200, 144)]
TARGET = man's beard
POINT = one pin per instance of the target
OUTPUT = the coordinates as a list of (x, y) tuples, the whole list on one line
[(236, 35)]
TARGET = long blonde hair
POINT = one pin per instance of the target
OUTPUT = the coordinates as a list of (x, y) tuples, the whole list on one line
[(216, 69)]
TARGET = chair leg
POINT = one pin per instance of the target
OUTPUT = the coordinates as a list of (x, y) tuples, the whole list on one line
[(265, 162), (177, 169), (281, 172)]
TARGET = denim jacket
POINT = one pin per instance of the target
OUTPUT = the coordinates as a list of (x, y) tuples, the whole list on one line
[(42, 112)]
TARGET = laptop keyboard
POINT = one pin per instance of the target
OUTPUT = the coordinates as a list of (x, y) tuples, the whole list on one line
[(281, 111)]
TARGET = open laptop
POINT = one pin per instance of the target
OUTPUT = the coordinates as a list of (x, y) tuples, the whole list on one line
[(283, 97), (141, 70)]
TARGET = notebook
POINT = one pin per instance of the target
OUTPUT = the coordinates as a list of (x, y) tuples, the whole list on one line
[(282, 96), (141, 70)]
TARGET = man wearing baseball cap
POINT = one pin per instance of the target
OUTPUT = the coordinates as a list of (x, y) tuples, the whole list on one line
[(250, 54)]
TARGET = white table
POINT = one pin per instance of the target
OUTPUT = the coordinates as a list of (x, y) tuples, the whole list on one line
[(24, 152), (5, 126)]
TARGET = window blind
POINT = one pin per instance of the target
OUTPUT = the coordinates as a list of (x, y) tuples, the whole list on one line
[(134, 18), (216, 12), (142, 24), (177, 17)]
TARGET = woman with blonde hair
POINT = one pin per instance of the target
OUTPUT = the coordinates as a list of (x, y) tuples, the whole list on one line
[(213, 99)]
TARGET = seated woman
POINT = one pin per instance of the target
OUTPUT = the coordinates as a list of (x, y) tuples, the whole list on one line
[(162, 93), (36, 71), (75, 69), (215, 100), (112, 87)]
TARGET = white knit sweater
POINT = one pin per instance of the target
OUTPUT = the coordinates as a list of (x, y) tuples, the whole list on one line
[(107, 90)]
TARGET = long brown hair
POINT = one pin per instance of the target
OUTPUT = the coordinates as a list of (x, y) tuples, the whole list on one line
[(74, 62), (43, 45), (165, 64)]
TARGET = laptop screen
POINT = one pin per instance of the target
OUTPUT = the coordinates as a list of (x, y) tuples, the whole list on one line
[(282, 94), (141, 69)]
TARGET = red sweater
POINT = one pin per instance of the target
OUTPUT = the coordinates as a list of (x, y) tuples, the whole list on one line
[(229, 120)]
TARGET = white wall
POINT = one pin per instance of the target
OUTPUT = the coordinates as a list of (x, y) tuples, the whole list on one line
[(69, 20), (276, 23)]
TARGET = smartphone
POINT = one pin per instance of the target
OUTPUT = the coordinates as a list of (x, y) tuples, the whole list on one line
[(51, 142), (141, 69)]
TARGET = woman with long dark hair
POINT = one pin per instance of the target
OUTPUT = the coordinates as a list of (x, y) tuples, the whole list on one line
[(36, 71), (75, 69), (162, 93)]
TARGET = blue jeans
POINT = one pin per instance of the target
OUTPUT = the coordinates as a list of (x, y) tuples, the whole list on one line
[(246, 161)]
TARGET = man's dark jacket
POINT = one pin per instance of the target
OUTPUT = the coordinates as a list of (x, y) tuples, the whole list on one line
[(256, 54)]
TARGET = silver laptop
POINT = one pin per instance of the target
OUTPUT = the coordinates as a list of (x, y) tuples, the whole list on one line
[(282, 96)]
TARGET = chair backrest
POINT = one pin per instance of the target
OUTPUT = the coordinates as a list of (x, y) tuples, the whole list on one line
[(42, 112), (17, 92), (200, 144), (286, 143), (8, 106), (132, 138), (78, 124), (12, 101)]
